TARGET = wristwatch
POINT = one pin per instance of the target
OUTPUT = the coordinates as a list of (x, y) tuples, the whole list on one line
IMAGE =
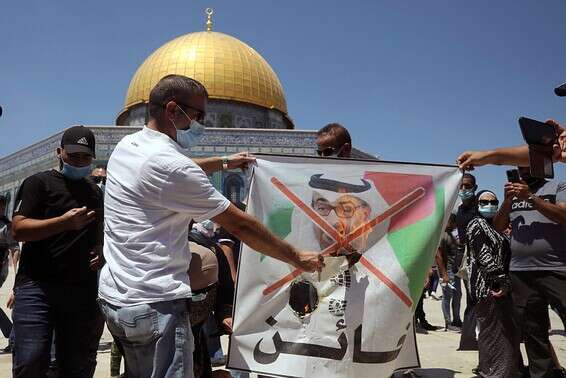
[(224, 163)]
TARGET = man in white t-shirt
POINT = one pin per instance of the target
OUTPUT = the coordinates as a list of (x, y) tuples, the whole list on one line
[(153, 190)]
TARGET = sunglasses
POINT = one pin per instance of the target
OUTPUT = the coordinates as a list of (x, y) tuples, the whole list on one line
[(329, 151), (488, 202), (99, 179), (200, 114)]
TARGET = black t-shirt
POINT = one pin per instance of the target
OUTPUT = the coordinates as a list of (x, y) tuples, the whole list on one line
[(62, 258), (464, 215)]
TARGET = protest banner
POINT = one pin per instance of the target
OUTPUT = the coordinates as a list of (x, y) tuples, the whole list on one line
[(378, 224)]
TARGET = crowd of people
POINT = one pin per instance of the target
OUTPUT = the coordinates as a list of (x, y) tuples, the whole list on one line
[(511, 257), (110, 246)]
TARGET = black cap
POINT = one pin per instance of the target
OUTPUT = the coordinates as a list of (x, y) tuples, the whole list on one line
[(560, 90), (78, 139)]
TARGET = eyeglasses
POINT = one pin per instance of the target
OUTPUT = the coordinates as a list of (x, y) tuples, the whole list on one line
[(329, 151), (342, 209), (488, 202)]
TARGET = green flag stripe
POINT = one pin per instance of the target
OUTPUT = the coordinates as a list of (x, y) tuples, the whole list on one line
[(415, 246)]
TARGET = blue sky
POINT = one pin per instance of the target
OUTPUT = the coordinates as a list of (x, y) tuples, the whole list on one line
[(412, 80)]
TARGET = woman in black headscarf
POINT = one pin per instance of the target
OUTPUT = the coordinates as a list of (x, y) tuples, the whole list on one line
[(487, 265)]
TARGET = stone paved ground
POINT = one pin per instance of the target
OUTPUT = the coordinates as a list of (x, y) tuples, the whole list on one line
[(437, 350)]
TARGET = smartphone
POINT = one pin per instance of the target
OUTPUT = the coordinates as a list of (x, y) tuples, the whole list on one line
[(513, 175), (536, 132), (540, 137)]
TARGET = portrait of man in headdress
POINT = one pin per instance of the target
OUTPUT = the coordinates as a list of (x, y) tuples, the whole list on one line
[(345, 204)]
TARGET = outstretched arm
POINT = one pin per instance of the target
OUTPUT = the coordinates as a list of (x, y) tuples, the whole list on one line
[(250, 231), (518, 156), (212, 164)]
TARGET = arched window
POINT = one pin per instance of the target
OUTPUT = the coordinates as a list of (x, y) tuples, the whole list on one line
[(233, 187)]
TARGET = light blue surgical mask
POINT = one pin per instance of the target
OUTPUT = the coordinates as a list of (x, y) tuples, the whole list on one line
[(74, 173), (466, 194), (488, 211), (191, 136)]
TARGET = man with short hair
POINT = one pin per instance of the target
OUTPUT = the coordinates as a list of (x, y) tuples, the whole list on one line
[(536, 210), (465, 213), (98, 176), (468, 208), (451, 286), (153, 190), (58, 214), (333, 140)]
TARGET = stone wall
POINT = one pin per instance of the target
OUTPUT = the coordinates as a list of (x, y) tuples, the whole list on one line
[(42, 155)]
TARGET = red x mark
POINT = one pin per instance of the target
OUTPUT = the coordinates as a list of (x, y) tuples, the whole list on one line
[(344, 242)]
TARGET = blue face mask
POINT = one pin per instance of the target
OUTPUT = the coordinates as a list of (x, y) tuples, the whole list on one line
[(75, 173), (488, 211), (466, 194), (191, 136)]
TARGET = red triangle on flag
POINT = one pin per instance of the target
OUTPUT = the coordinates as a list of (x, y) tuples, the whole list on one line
[(393, 186)]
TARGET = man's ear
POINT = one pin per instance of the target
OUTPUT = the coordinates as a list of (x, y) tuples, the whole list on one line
[(170, 110), (59, 151)]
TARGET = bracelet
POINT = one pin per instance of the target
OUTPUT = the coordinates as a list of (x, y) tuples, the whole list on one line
[(224, 163)]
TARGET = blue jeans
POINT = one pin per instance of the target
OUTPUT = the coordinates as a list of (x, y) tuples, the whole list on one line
[(40, 309), (451, 298), (433, 282), (156, 338)]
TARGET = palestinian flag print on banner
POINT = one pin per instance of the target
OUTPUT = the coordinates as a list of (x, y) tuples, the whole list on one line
[(378, 224)]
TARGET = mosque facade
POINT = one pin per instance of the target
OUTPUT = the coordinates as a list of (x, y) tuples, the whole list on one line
[(247, 111)]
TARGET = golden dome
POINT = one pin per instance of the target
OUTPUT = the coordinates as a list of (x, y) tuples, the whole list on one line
[(228, 68)]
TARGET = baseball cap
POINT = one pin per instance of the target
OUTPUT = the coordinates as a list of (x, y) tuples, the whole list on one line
[(560, 90), (78, 139)]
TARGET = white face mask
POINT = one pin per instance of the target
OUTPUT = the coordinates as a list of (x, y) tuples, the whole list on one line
[(191, 136), (488, 211)]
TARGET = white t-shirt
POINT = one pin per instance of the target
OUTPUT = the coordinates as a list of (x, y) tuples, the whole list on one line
[(153, 190)]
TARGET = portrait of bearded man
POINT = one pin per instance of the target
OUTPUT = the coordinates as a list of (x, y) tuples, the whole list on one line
[(345, 204)]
